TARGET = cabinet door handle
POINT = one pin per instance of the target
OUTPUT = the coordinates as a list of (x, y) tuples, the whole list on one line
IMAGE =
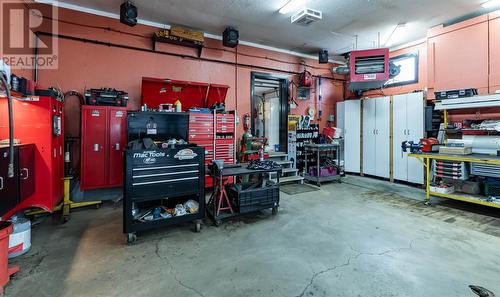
[(1, 183), (27, 173), (373, 131), (117, 146), (408, 131), (96, 147)]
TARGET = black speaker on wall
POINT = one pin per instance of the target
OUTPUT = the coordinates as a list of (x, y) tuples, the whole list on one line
[(128, 14), (230, 37), (323, 56)]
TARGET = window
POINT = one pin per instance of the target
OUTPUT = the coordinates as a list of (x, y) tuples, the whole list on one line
[(409, 70)]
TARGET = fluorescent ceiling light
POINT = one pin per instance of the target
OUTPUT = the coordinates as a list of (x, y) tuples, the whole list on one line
[(491, 3), (291, 6), (397, 35)]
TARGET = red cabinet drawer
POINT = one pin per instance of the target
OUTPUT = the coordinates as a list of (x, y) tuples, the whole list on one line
[(202, 116), (195, 138), (225, 117), (224, 141)]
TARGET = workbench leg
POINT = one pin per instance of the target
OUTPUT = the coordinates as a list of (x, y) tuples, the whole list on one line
[(427, 181)]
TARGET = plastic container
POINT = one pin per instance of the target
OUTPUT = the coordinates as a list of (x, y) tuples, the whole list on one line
[(5, 271), (253, 199), (20, 238)]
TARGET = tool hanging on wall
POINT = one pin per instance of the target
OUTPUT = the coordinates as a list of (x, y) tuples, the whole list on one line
[(320, 98), (305, 79)]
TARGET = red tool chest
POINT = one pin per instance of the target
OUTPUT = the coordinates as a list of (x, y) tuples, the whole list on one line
[(102, 146), (38, 120), (204, 128), (216, 133)]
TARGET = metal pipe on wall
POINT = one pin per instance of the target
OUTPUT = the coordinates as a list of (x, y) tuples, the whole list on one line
[(123, 46)]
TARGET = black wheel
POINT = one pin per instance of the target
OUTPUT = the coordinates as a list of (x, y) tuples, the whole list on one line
[(97, 206), (274, 210), (427, 202), (197, 227), (131, 238)]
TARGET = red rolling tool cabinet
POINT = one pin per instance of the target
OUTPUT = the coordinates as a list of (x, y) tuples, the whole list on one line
[(38, 120), (103, 142)]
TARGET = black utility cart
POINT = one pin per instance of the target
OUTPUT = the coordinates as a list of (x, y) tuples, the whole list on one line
[(164, 184), (233, 199)]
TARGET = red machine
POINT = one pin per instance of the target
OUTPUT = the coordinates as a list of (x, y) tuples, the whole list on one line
[(429, 145), (39, 122), (368, 69), (104, 138)]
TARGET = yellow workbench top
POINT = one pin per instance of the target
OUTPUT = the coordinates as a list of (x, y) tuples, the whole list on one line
[(474, 158)]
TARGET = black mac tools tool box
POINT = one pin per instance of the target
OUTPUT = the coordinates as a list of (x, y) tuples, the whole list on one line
[(161, 180)]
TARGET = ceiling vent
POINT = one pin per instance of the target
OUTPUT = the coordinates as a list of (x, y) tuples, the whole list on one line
[(306, 16)]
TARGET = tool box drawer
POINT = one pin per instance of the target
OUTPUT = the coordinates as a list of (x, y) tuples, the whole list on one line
[(201, 117), (225, 118), (194, 137), (222, 141), (201, 127)]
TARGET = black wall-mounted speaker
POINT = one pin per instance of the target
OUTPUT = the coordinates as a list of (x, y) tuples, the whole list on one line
[(323, 56), (230, 37), (128, 14)]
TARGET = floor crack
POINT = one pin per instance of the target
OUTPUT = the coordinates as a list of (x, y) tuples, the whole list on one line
[(349, 260), (172, 270)]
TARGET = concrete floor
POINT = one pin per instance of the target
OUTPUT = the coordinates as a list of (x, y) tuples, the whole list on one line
[(361, 238)]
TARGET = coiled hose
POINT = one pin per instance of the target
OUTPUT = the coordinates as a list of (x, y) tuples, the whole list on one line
[(11, 127)]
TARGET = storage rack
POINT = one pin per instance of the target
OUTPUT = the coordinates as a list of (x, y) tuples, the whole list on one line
[(216, 132), (427, 158), (308, 135), (321, 151)]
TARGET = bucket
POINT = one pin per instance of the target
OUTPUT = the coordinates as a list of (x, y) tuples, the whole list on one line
[(20, 238), (5, 271)]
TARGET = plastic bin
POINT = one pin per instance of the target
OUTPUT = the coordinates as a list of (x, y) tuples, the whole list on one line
[(254, 199)]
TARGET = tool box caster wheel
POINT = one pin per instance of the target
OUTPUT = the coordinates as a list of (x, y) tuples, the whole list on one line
[(217, 223), (427, 203), (274, 210), (197, 227), (131, 238)]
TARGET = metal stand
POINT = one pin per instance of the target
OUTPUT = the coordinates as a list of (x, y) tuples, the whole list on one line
[(67, 204), (317, 149)]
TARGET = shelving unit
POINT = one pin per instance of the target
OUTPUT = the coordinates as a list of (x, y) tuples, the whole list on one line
[(427, 158), (322, 151), (474, 158), (304, 136)]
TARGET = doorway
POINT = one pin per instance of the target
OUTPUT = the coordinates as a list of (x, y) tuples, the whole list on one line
[(269, 95)]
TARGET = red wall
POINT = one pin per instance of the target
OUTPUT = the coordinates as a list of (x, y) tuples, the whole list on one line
[(86, 65)]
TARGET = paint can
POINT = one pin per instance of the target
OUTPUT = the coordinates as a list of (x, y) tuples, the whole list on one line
[(20, 238)]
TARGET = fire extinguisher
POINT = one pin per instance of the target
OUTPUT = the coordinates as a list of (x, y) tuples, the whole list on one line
[(246, 122)]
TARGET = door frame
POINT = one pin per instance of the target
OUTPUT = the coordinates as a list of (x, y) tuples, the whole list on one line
[(284, 108)]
